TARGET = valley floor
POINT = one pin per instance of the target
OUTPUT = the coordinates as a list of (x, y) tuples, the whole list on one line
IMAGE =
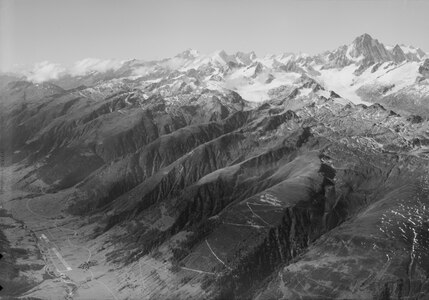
[(63, 246)]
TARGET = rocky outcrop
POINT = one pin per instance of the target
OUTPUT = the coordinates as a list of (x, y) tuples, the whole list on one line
[(398, 55), (424, 68)]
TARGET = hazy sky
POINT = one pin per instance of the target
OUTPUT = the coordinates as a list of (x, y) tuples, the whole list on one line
[(65, 31)]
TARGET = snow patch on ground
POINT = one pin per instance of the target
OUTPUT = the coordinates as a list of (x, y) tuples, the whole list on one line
[(401, 76), (341, 82), (258, 90), (324, 93), (345, 83)]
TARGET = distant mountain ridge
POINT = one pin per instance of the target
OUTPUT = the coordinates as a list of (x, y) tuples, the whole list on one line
[(362, 72), (363, 50)]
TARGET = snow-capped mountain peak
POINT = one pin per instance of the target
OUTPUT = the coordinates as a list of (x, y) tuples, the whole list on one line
[(354, 71), (245, 58), (366, 49), (188, 54), (413, 53)]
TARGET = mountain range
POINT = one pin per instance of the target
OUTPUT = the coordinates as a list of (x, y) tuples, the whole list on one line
[(359, 72), (221, 176)]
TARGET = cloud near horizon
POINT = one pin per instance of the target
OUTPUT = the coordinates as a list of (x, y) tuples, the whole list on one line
[(45, 70), (89, 65)]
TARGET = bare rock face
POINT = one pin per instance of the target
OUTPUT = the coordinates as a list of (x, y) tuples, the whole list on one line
[(371, 49), (364, 51), (424, 68), (398, 55)]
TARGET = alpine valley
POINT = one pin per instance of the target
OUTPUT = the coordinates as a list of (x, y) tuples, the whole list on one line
[(221, 176)]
